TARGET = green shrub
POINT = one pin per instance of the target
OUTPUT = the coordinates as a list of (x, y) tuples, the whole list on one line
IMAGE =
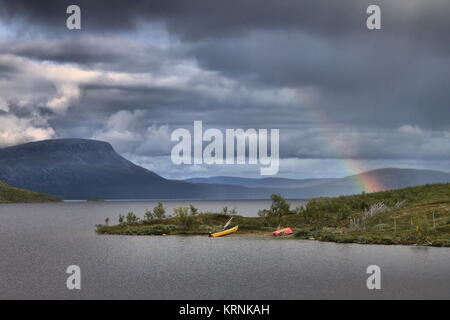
[(194, 210), (305, 233), (186, 221), (364, 240), (329, 237), (148, 216), (441, 243), (205, 228), (345, 239), (131, 218), (159, 229), (387, 241), (159, 212)]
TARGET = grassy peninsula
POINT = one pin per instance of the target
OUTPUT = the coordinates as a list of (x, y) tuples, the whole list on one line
[(10, 194), (412, 216)]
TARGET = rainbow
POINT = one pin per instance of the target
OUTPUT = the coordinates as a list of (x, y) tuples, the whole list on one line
[(363, 182)]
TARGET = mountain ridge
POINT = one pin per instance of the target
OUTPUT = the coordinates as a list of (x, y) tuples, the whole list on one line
[(274, 182), (91, 169)]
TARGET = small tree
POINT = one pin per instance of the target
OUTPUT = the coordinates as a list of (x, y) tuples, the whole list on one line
[(182, 213), (225, 210), (121, 218), (344, 212), (303, 212), (279, 208), (106, 221), (148, 216), (159, 212), (233, 211), (132, 218), (421, 226), (194, 210), (264, 213)]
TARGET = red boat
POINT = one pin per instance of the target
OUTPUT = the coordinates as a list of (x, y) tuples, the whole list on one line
[(282, 232)]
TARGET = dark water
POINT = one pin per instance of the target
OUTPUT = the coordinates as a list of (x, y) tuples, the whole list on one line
[(38, 242)]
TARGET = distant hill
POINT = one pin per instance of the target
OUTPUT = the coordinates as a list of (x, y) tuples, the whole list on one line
[(260, 183), (389, 179), (89, 169), (10, 194)]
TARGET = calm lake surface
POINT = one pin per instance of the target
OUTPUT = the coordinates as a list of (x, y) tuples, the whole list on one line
[(39, 241)]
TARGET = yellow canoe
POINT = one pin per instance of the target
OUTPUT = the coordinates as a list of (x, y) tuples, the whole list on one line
[(224, 233)]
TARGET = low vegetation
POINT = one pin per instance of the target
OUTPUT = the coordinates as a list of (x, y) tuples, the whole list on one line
[(417, 215), (10, 194), (183, 220)]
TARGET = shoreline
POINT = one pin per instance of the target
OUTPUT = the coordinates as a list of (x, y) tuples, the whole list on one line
[(348, 238), (267, 236)]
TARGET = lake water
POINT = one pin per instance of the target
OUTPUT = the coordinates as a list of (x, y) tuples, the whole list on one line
[(39, 241)]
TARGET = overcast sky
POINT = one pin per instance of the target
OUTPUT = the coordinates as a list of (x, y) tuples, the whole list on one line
[(139, 69)]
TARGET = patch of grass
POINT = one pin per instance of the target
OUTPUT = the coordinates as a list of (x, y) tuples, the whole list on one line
[(137, 229), (10, 194)]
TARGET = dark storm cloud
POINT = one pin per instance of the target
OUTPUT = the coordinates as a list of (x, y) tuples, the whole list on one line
[(301, 66), (116, 53), (200, 19), (194, 19), (67, 50), (369, 80)]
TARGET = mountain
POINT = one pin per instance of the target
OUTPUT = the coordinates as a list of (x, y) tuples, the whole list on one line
[(89, 169), (260, 183), (10, 194)]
